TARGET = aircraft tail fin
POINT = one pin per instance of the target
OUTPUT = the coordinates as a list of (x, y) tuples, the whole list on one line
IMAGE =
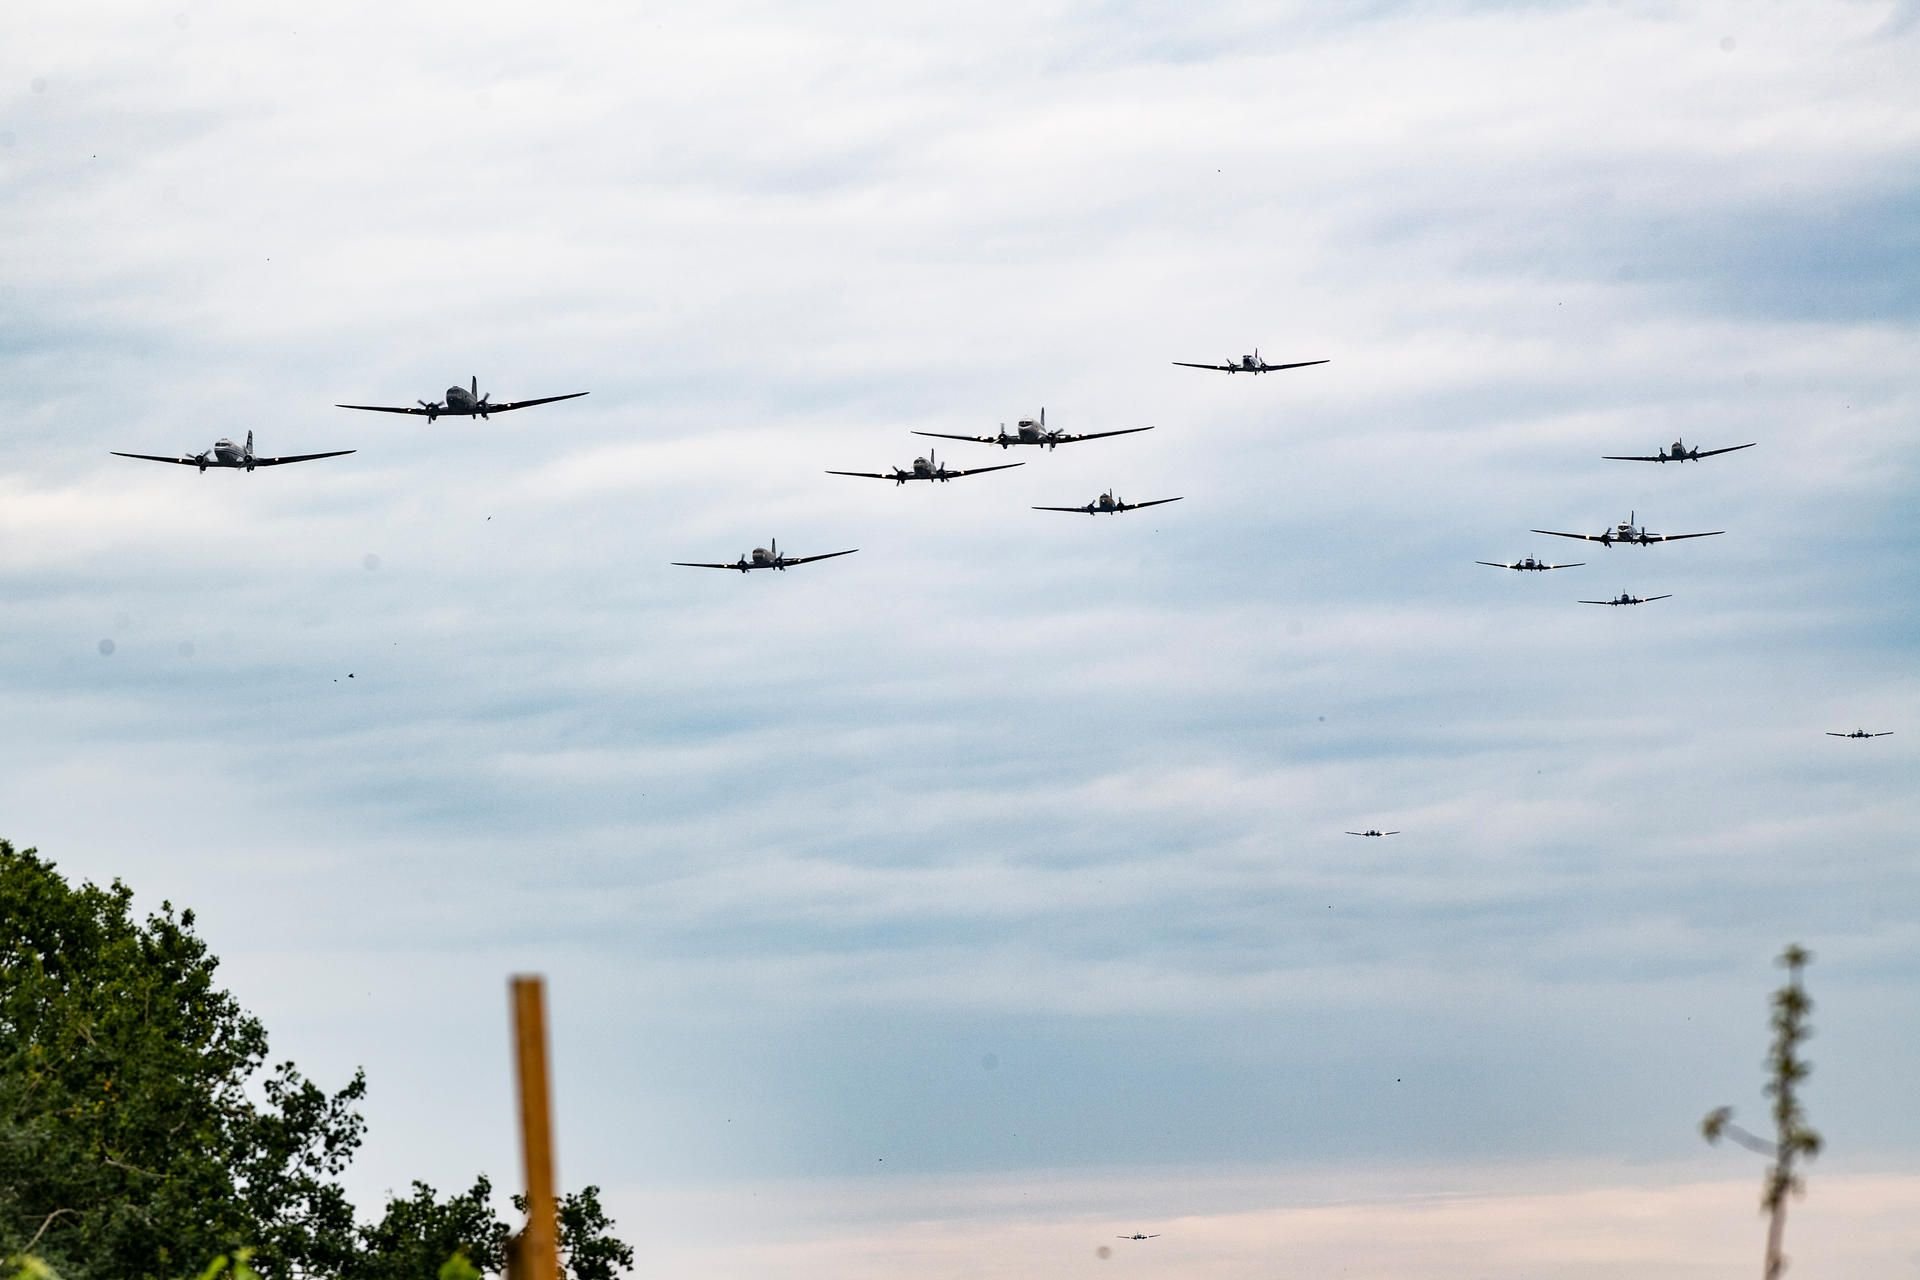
[(249, 442)]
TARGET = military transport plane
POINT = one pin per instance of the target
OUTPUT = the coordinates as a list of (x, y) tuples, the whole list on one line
[(927, 468), (1140, 1235), (1373, 833), (1529, 563), (1628, 531), (1860, 733), (1032, 431), (767, 557), (1679, 453), (1630, 599), (462, 402), (1107, 504), (225, 453), (1249, 364)]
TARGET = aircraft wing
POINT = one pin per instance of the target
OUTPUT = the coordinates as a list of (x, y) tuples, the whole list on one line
[(1675, 537), (387, 408), (1223, 368), (1081, 510), (825, 556), (1584, 537), (505, 405), (864, 475), (1595, 602), (1631, 457), (154, 457), (1648, 599), (1297, 364), (974, 471), (1101, 435), (299, 457), (937, 435), (1732, 448), (1135, 506), (694, 564)]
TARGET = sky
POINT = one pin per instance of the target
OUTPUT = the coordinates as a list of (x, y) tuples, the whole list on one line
[(953, 907)]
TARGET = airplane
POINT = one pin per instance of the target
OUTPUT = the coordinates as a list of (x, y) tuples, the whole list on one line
[(1107, 504), (1627, 531), (225, 453), (462, 402), (1140, 1236), (1373, 833), (768, 557), (1860, 733), (1249, 364), (1032, 431), (927, 468), (1529, 563), (1627, 599), (1679, 453)]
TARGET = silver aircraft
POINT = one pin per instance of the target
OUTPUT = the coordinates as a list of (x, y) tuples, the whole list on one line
[(1679, 453), (1628, 531), (1108, 504), (1248, 364), (236, 457), (1032, 431), (1860, 733), (927, 468), (1373, 833), (1629, 599), (462, 402), (767, 557), (1140, 1235), (1529, 564)]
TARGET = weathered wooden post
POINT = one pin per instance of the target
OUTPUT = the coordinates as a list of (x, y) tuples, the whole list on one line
[(534, 1254)]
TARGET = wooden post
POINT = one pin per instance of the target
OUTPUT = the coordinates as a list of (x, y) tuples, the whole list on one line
[(536, 1254)]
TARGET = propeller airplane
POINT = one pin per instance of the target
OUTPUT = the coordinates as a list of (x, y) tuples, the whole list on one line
[(1860, 733), (1629, 599), (462, 402), (1108, 504), (767, 557), (1628, 531), (1529, 564), (1373, 833), (1248, 364), (1139, 1235), (227, 455), (927, 468), (1032, 431), (1679, 453)]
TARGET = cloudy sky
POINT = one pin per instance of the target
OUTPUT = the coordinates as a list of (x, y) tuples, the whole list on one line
[(951, 908)]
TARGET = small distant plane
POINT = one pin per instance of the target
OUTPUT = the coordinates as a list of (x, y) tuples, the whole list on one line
[(462, 402), (1529, 563), (1248, 364), (927, 468), (1106, 503), (767, 557), (1140, 1236), (1629, 599), (1860, 733), (1032, 431), (1373, 833), (1679, 453), (225, 453), (1627, 531)]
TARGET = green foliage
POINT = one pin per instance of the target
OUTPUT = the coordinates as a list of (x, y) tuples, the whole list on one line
[(141, 1131), (1794, 1140)]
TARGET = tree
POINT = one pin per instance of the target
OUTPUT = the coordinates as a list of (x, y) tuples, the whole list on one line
[(1793, 1139), (141, 1132)]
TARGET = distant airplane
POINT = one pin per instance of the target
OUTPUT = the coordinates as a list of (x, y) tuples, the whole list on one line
[(927, 468), (1032, 431), (1679, 453), (1373, 833), (1106, 503), (225, 453), (1139, 1236), (462, 402), (1248, 364), (767, 557), (1627, 599), (1529, 563), (1860, 733), (1627, 531)]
